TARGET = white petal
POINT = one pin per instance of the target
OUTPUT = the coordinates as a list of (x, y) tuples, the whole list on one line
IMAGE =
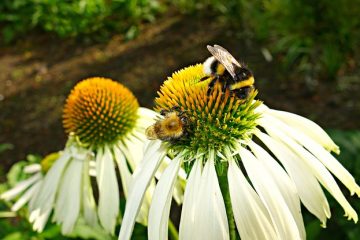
[(308, 188), (308, 127), (179, 189), (88, 201), (67, 203), (37, 188), (51, 180), (285, 184), (20, 187), (109, 201), (26, 197), (160, 206), (142, 216), (147, 117), (321, 173), (126, 180), (192, 191), (124, 170), (252, 219), (269, 193), (210, 219), (133, 153), (92, 168), (32, 168), (141, 179), (324, 156), (40, 221)]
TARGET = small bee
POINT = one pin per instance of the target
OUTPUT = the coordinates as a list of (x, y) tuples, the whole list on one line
[(170, 128), (223, 67)]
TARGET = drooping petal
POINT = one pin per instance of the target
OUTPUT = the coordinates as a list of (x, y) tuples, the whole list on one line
[(46, 196), (88, 201), (178, 193), (147, 117), (308, 188), (126, 180), (270, 195), (141, 178), (321, 173), (32, 168), (285, 184), (252, 219), (67, 207), (192, 190), (26, 196), (160, 205), (210, 219), (92, 168), (37, 188), (39, 220), (308, 127), (108, 206), (125, 173), (133, 153), (20, 187), (324, 156)]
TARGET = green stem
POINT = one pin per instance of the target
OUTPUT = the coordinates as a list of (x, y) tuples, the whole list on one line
[(172, 230), (224, 186)]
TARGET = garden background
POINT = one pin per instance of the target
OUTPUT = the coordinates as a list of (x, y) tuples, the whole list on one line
[(304, 55)]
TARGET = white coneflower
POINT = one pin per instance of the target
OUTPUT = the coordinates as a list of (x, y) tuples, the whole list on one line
[(106, 129), (235, 185), (27, 190)]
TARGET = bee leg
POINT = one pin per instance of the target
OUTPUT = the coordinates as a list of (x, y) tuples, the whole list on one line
[(163, 112), (224, 87), (204, 78), (244, 93), (176, 108), (211, 86), (184, 119)]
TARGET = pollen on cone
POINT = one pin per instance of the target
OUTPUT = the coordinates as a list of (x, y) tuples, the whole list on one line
[(99, 111)]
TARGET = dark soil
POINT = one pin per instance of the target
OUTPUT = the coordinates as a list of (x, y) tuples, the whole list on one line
[(38, 72)]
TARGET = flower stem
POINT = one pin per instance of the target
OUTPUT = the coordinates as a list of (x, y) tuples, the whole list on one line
[(224, 186), (172, 230)]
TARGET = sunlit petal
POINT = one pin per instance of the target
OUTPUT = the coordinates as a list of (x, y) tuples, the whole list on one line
[(142, 177), (160, 206), (270, 195), (189, 207)]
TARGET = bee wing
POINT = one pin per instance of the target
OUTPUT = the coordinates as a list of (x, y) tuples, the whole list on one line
[(225, 58)]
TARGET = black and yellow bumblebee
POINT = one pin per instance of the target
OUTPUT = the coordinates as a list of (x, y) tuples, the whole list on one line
[(170, 128), (232, 75)]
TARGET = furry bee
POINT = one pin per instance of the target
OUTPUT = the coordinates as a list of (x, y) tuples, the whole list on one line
[(170, 128), (223, 67)]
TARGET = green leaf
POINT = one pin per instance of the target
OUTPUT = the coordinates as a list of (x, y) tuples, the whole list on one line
[(5, 146)]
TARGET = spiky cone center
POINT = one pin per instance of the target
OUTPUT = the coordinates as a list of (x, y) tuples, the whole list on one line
[(214, 122), (100, 111)]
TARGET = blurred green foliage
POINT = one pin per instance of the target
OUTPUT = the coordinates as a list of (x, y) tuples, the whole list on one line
[(70, 18), (318, 39), (315, 38)]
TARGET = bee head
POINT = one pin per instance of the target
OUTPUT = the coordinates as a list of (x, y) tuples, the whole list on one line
[(243, 73)]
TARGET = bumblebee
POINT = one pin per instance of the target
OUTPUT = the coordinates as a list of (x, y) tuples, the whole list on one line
[(171, 127), (222, 67)]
